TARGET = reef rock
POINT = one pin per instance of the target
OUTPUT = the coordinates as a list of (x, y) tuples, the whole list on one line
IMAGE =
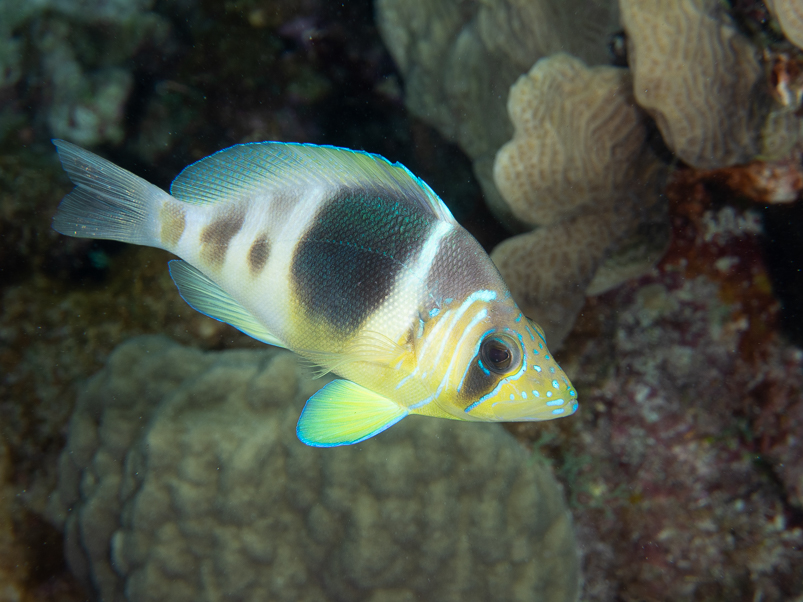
[(12, 575), (182, 479), (78, 55), (686, 462), (581, 170), (698, 77)]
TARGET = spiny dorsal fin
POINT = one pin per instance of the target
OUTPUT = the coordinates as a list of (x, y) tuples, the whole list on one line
[(259, 168), (205, 296)]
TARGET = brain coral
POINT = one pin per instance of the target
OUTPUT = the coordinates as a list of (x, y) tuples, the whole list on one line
[(580, 167), (790, 17), (698, 77), (183, 480), (459, 58), (580, 143)]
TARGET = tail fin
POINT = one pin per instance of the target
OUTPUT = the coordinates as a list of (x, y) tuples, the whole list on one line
[(108, 201)]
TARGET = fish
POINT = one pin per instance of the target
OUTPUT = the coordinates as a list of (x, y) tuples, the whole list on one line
[(346, 259)]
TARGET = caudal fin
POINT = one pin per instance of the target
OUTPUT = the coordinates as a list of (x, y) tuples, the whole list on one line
[(108, 201)]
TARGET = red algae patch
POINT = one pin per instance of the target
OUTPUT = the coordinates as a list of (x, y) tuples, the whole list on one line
[(683, 462)]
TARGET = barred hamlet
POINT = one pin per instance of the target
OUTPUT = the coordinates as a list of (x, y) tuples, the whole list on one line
[(346, 259)]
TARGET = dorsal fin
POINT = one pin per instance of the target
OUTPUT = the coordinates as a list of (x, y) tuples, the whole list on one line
[(248, 170)]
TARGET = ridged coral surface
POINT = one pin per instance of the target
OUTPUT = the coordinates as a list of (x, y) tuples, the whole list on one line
[(184, 480), (698, 77), (549, 269), (580, 143), (580, 168), (459, 59)]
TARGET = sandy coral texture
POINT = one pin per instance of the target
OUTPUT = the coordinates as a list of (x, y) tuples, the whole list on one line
[(581, 172), (183, 480)]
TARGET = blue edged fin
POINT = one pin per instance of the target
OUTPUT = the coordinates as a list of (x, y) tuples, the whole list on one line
[(343, 412), (203, 295), (265, 168), (108, 202)]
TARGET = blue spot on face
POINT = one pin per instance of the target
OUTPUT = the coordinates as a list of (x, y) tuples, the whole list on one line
[(574, 407), (519, 318), (524, 394), (540, 345), (546, 357), (535, 351), (552, 370), (537, 368), (549, 393), (572, 392), (558, 411), (434, 312), (555, 384), (512, 397), (536, 393), (555, 402)]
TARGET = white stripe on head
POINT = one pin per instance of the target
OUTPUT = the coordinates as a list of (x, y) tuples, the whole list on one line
[(399, 312), (467, 332), (415, 277), (427, 255), (481, 295), (449, 325)]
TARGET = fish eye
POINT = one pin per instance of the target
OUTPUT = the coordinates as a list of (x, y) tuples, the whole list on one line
[(500, 354)]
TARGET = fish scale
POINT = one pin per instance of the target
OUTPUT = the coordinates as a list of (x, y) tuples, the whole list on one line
[(346, 259)]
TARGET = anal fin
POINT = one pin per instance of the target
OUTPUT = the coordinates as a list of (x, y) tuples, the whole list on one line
[(343, 413), (205, 296)]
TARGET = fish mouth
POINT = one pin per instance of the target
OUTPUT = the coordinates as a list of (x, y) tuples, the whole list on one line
[(533, 405)]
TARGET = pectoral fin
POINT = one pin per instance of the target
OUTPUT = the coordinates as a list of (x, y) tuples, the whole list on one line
[(343, 412), (369, 347)]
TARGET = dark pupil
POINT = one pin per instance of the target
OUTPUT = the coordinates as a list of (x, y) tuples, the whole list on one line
[(498, 355)]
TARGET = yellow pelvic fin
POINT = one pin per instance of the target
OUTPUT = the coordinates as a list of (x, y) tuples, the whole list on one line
[(205, 296), (343, 412)]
